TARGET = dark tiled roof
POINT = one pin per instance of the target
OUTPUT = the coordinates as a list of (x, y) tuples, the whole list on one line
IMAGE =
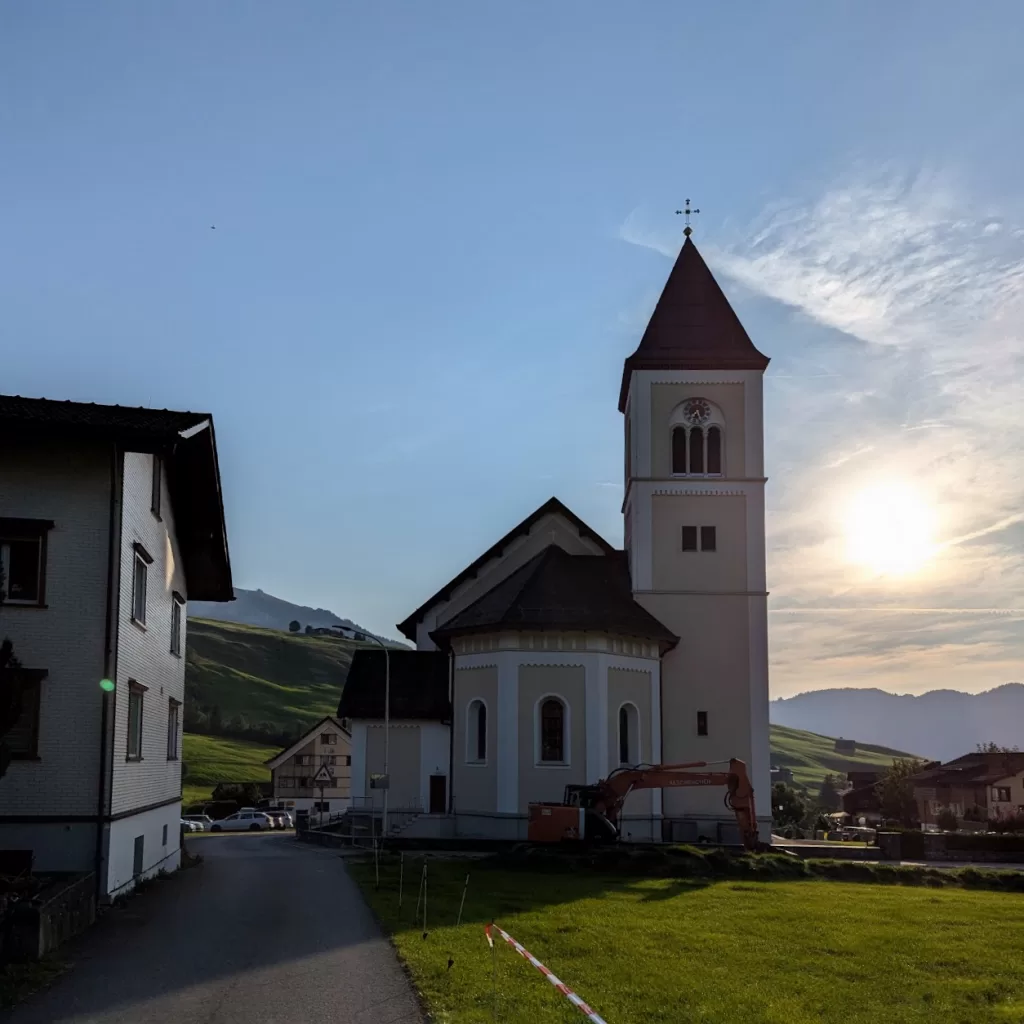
[(972, 769), (556, 590), (419, 686), (188, 445), (551, 507), (693, 327)]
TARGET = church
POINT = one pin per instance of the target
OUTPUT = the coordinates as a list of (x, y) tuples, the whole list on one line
[(555, 658)]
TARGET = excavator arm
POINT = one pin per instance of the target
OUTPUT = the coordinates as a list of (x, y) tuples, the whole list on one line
[(739, 793)]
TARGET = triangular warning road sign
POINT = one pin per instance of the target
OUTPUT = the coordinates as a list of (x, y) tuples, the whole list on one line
[(323, 776)]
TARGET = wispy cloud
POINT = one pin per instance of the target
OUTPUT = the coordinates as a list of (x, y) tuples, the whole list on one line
[(910, 368)]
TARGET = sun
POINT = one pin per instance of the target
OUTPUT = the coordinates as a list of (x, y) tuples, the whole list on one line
[(890, 529)]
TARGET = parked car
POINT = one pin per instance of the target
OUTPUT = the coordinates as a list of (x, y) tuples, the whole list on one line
[(191, 826), (281, 819), (243, 821), (203, 821)]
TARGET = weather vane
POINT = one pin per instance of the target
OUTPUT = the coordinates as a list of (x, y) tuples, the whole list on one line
[(685, 212)]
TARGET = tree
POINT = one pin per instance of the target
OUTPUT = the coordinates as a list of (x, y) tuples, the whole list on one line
[(895, 791), (946, 820), (294, 626), (788, 807), (995, 748), (309, 631), (828, 795)]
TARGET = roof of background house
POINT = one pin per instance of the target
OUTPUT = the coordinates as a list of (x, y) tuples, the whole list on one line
[(556, 590), (972, 769), (551, 506), (188, 445), (304, 740), (693, 327), (419, 686)]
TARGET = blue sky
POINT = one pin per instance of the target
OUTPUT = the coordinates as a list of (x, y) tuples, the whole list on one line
[(400, 252)]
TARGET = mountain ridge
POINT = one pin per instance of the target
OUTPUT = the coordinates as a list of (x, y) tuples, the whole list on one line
[(939, 724)]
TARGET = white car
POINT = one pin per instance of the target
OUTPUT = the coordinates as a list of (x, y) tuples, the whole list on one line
[(191, 826), (200, 822), (243, 821)]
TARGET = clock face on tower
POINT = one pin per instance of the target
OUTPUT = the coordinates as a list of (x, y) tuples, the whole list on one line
[(697, 412)]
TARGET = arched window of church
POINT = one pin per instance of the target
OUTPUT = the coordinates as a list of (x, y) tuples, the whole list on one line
[(476, 731), (714, 450), (696, 450), (697, 427), (679, 450), (552, 730), (629, 734)]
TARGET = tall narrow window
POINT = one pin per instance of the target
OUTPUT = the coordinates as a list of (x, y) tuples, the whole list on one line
[(689, 538), (696, 450), (134, 746), (157, 485), (476, 731), (142, 562), (552, 731), (702, 723), (177, 603), (708, 538), (624, 751), (679, 450), (22, 739), (23, 559), (173, 719), (714, 450)]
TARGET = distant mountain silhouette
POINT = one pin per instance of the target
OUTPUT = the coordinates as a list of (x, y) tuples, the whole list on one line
[(255, 608), (940, 724)]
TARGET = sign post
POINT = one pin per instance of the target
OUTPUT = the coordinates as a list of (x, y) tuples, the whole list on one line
[(322, 778)]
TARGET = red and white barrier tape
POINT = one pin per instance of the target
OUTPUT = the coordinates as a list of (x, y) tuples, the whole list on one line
[(561, 986)]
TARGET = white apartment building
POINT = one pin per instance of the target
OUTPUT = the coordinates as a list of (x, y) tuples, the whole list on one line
[(111, 518)]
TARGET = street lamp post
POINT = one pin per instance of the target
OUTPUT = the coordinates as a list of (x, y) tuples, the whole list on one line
[(387, 718)]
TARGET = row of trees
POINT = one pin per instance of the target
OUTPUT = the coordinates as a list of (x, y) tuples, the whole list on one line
[(793, 810), (209, 721)]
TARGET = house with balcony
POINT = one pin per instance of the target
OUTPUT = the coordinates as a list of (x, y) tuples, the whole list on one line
[(314, 774), (976, 788), (111, 520)]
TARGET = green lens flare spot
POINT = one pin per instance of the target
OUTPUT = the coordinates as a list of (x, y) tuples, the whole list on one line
[(107, 685)]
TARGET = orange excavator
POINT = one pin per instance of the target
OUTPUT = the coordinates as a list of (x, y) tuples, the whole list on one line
[(591, 812)]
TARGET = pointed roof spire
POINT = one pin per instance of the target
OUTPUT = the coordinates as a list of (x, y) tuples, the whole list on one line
[(693, 327)]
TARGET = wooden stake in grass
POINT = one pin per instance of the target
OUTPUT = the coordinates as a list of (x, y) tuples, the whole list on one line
[(465, 888), (424, 899), (376, 863), (401, 876), (419, 895)]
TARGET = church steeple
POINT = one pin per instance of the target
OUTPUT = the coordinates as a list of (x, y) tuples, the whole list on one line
[(693, 327)]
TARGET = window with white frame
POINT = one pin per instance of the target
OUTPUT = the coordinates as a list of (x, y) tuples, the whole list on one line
[(23, 560), (553, 726), (476, 732), (143, 560), (629, 734), (173, 728), (135, 697), (177, 617), (696, 427)]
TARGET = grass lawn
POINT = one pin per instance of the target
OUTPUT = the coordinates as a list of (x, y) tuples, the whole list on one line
[(213, 759), (648, 950)]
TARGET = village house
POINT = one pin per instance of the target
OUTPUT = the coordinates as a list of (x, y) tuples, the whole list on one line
[(111, 519), (314, 773), (555, 657), (976, 788)]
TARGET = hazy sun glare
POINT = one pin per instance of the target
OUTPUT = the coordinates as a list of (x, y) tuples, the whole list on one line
[(890, 530)]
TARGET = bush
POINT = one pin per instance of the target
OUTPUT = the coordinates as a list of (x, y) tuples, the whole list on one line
[(946, 820)]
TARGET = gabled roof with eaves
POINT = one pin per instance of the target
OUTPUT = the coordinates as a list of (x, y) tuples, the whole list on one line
[(278, 759)]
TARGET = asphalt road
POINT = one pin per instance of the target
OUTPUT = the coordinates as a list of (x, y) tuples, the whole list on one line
[(266, 929)]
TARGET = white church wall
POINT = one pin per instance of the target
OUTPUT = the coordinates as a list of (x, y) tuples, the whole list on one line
[(727, 396), (633, 688), (475, 783), (406, 791)]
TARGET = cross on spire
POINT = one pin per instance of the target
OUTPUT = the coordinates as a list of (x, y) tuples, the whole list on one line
[(685, 212)]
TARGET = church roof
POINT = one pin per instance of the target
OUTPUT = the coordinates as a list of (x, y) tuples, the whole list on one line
[(418, 684), (556, 590), (693, 327), (550, 507)]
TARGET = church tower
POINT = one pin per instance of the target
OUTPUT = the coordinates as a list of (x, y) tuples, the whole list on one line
[(694, 533)]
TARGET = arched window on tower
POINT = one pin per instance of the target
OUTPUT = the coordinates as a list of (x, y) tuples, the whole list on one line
[(714, 443), (679, 450), (697, 427), (476, 731), (552, 730), (629, 734)]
